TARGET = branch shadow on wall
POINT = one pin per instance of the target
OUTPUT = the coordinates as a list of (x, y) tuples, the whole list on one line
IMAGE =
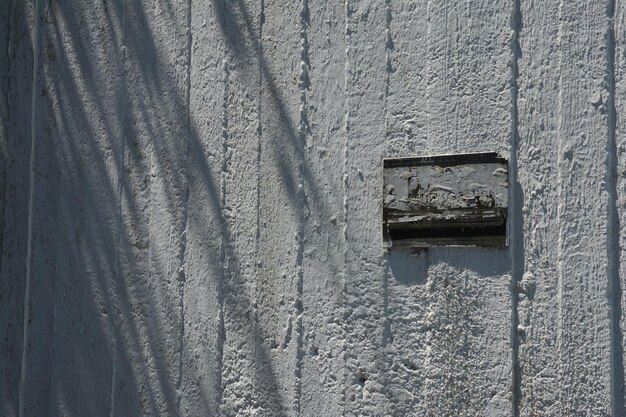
[(114, 298)]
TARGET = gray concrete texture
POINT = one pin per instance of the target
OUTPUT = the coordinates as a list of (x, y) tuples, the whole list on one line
[(192, 201)]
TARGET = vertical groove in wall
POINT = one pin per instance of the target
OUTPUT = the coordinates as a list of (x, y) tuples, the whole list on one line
[(344, 175), (613, 228), (428, 70), (257, 241), (182, 245), (261, 59), (303, 130), (388, 68), (31, 198), (387, 337), (515, 215), (559, 213), (120, 192), (224, 251)]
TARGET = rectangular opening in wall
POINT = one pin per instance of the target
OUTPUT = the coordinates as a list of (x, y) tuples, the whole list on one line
[(445, 200)]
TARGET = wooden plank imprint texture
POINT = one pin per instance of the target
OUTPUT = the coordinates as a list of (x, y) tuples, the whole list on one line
[(199, 229), (12, 275), (450, 308), (202, 242), (365, 322), (322, 86), (281, 200), (88, 105), (564, 315), (243, 385), (153, 208), (29, 251)]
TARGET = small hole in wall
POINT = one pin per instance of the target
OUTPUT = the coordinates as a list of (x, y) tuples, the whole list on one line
[(360, 379)]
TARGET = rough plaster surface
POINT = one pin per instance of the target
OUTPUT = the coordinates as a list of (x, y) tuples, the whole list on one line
[(565, 297), (192, 196)]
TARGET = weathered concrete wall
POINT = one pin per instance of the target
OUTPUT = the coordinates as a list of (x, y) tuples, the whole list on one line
[(192, 196)]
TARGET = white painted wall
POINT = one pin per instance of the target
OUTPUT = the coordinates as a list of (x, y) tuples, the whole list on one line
[(192, 196)]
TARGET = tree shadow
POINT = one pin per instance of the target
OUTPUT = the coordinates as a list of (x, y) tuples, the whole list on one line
[(117, 146)]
